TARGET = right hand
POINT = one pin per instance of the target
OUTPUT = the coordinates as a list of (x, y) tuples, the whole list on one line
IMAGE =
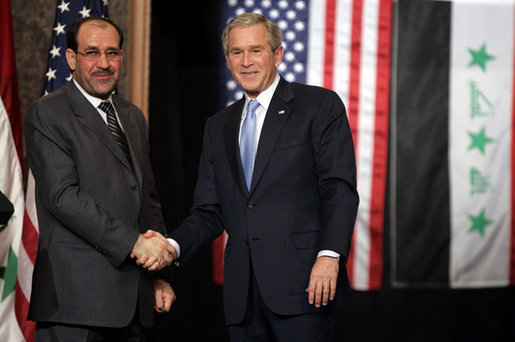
[(153, 252)]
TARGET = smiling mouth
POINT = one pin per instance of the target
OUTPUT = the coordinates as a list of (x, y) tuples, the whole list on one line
[(249, 73)]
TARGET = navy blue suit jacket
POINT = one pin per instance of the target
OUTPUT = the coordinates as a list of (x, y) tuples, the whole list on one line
[(303, 198)]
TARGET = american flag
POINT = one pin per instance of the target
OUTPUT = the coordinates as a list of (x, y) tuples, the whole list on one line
[(343, 45), (57, 76), (58, 73)]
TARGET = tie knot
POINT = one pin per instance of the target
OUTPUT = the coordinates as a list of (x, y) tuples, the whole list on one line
[(106, 106), (252, 106)]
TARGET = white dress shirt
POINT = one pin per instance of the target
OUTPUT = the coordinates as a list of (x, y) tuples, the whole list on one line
[(95, 101)]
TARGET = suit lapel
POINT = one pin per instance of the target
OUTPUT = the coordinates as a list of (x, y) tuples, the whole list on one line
[(231, 134), (89, 117), (275, 118)]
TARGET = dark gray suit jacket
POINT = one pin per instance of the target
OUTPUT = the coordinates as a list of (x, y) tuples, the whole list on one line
[(303, 198), (91, 206)]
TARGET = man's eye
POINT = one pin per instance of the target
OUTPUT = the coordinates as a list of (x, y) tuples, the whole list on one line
[(91, 53), (112, 53)]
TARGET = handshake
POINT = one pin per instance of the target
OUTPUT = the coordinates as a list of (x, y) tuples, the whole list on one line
[(153, 251)]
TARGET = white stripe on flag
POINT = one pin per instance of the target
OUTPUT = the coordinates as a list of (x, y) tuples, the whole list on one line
[(25, 269), (316, 43), (342, 49), (365, 144), (481, 92), (30, 200)]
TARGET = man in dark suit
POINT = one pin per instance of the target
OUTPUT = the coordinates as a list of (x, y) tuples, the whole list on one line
[(95, 197), (278, 173)]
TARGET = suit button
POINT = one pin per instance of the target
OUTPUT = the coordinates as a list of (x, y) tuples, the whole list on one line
[(251, 204), (134, 187)]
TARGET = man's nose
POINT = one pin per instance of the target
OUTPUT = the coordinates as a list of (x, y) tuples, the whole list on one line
[(246, 59), (102, 61)]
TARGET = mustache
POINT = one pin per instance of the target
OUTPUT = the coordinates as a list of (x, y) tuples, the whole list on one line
[(103, 72)]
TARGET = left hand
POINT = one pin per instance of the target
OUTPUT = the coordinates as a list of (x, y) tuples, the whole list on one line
[(322, 282), (164, 295)]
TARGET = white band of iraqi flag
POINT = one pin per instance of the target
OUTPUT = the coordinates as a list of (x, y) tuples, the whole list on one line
[(480, 142), (452, 145)]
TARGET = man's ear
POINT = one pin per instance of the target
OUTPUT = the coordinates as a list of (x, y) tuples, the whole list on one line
[(278, 55), (71, 58)]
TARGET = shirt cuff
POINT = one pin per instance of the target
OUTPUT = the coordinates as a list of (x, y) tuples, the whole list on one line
[(176, 246), (329, 253)]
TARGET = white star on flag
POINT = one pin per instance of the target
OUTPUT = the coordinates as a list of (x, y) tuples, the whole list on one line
[(50, 74), (59, 29), (64, 6), (55, 51), (85, 12)]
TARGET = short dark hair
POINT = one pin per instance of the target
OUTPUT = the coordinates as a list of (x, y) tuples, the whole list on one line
[(275, 36), (73, 30)]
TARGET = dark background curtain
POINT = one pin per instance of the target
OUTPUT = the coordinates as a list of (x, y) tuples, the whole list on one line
[(186, 59)]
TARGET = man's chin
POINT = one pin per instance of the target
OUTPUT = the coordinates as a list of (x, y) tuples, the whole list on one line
[(104, 92)]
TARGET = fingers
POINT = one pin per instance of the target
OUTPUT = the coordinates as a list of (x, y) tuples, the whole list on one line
[(164, 295), (332, 288), (320, 294), (159, 302), (311, 291), (142, 259), (322, 283), (149, 233)]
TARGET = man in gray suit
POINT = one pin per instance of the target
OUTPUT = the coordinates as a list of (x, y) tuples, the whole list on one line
[(88, 150)]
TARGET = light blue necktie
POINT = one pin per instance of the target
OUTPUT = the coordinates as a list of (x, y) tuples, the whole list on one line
[(248, 141)]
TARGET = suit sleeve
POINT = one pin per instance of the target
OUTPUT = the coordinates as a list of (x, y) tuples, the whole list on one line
[(336, 169), (204, 223), (57, 182)]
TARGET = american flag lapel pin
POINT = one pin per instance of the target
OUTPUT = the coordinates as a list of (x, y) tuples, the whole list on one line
[(282, 111)]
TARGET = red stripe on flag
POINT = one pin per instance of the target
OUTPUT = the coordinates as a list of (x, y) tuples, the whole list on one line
[(355, 67), (512, 232), (28, 328), (330, 19), (380, 144), (353, 106), (29, 237), (218, 251)]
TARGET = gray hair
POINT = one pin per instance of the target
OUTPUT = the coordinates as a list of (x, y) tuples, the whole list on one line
[(275, 36)]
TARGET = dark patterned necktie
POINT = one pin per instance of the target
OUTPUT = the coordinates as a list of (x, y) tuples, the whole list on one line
[(114, 127)]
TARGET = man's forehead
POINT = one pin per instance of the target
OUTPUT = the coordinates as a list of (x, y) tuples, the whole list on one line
[(259, 39), (94, 26)]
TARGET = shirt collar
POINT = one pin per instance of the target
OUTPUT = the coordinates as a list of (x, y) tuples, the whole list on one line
[(265, 97)]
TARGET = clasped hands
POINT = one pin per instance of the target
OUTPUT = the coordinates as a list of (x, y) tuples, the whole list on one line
[(153, 251)]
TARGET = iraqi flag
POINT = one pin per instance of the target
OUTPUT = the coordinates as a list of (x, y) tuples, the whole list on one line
[(343, 45), (452, 153)]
